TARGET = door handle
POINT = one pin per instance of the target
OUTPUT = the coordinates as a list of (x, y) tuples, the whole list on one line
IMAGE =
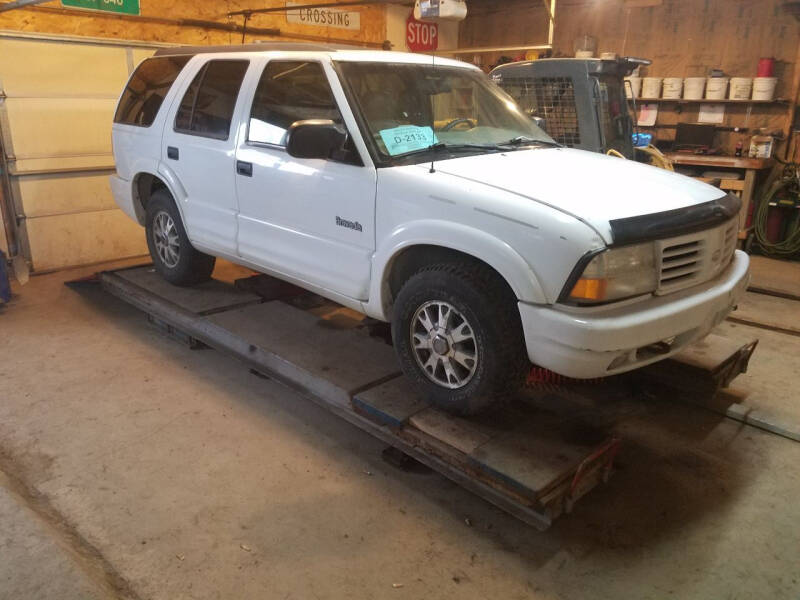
[(172, 152), (244, 168)]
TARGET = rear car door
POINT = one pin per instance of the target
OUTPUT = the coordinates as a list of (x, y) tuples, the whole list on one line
[(310, 219), (198, 147)]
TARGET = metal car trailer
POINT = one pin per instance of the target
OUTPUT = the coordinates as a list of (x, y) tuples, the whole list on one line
[(534, 457)]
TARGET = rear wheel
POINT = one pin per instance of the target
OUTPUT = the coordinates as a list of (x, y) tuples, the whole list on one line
[(457, 333), (172, 253)]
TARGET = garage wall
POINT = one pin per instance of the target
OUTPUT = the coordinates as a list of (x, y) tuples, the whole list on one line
[(172, 21), (60, 95), (55, 120), (682, 37)]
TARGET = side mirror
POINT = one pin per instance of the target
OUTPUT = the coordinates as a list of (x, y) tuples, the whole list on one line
[(540, 122), (314, 138)]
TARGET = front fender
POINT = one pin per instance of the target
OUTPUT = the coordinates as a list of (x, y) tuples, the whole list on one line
[(455, 236)]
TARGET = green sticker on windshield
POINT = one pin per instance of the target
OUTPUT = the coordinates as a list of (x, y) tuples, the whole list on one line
[(407, 138)]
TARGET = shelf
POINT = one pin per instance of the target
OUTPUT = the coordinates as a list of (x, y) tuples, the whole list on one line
[(779, 101)]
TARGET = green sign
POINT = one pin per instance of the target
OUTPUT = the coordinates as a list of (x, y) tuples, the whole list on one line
[(129, 7)]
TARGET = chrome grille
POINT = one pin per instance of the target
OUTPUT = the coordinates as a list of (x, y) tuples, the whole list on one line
[(694, 258), (680, 264)]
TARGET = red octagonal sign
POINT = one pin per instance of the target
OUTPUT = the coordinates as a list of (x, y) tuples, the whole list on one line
[(421, 36)]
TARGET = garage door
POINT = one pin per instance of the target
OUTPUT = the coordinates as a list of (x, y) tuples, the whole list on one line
[(57, 99)]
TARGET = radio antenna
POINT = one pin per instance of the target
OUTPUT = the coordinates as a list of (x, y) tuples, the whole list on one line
[(433, 118)]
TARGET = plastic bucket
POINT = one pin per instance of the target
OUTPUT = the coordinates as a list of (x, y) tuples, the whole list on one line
[(633, 87), (716, 88), (740, 89), (651, 87), (673, 86), (766, 67), (764, 88), (694, 87)]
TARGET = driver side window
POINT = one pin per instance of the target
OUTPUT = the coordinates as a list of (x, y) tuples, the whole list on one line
[(289, 91)]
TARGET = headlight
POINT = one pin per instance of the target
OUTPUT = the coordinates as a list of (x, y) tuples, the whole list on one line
[(615, 274)]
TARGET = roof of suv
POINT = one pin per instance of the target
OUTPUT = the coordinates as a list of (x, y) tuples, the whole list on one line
[(266, 47), (342, 53)]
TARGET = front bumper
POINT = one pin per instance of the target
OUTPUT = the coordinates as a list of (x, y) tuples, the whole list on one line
[(596, 342)]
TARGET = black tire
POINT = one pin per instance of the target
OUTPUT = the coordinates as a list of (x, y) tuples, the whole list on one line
[(191, 266), (484, 301)]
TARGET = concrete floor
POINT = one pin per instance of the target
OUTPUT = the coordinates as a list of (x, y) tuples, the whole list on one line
[(133, 467)]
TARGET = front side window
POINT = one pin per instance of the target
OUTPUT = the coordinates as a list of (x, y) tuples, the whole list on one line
[(146, 90), (411, 109), (289, 91), (207, 106)]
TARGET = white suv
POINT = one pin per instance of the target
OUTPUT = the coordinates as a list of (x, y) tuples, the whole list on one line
[(414, 190)]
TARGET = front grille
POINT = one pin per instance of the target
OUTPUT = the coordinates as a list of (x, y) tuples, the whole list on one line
[(680, 263), (694, 258)]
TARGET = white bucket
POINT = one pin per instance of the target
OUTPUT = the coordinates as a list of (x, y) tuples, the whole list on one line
[(673, 86), (651, 87), (716, 88), (633, 87), (764, 88), (693, 88), (740, 88)]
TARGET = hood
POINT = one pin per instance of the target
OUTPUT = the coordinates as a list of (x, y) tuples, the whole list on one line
[(591, 187)]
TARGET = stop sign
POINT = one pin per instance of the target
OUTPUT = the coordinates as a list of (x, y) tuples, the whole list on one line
[(421, 36)]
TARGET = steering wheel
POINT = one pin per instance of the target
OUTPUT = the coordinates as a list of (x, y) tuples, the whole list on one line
[(458, 121)]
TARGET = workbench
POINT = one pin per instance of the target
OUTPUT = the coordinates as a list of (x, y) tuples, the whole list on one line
[(745, 187)]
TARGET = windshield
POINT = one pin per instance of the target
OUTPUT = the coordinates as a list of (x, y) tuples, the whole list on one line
[(412, 110)]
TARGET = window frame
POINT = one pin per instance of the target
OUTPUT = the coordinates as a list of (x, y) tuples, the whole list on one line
[(204, 70), (269, 145), (161, 105)]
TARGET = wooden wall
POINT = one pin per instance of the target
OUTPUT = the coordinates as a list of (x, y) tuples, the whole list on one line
[(682, 37), (159, 23)]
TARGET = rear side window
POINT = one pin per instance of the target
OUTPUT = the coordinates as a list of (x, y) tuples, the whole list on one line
[(289, 91), (207, 106), (146, 90)]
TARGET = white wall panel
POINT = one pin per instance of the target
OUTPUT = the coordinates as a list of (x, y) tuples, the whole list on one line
[(63, 193), (84, 238), (56, 123), (42, 132)]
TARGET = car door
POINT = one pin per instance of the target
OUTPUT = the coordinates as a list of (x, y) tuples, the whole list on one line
[(310, 219), (198, 146)]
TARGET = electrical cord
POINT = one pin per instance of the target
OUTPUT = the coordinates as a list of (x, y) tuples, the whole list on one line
[(790, 244), (657, 158)]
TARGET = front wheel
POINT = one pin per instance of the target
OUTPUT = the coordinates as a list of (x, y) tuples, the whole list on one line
[(457, 333)]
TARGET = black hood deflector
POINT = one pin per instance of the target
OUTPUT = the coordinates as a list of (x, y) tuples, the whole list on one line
[(672, 223)]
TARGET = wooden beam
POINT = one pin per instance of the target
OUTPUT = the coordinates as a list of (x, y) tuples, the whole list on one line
[(200, 24), (261, 11), (642, 3)]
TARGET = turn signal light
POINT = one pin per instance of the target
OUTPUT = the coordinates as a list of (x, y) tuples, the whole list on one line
[(589, 289)]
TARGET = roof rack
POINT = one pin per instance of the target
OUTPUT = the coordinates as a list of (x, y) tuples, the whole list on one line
[(260, 47)]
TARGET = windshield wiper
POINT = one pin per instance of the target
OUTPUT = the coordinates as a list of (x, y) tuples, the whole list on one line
[(522, 140), (440, 146)]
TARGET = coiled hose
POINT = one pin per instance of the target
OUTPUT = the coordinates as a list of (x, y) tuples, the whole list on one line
[(790, 180)]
